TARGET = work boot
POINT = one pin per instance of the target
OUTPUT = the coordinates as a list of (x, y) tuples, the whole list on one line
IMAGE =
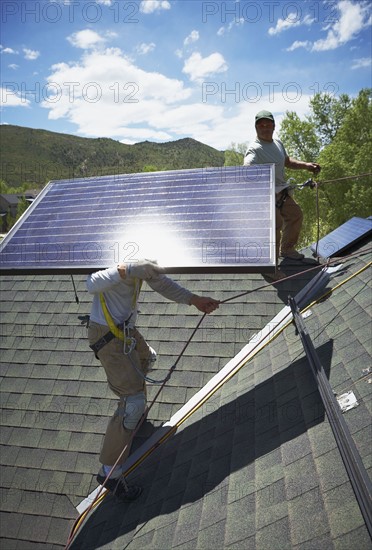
[(278, 275), (119, 487), (293, 255)]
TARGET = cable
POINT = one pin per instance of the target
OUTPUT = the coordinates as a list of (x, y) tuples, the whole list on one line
[(345, 178), (317, 221)]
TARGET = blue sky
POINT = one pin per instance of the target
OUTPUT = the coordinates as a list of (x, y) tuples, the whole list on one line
[(162, 70)]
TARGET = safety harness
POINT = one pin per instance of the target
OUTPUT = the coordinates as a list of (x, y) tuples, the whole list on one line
[(283, 195), (118, 331)]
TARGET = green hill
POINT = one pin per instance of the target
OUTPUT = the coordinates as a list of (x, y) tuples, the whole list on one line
[(38, 156)]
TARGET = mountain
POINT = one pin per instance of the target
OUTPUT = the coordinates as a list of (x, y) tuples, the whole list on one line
[(38, 156)]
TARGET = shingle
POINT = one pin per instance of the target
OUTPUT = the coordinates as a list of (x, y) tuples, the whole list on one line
[(34, 528), (59, 530), (301, 477), (269, 468), (275, 536), (307, 517), (164, 535), (10, 525), (25, 437), (60, 460), (271, 504), (211, 536), (28, 457), (342, 509), (357, 538), (188, 523)]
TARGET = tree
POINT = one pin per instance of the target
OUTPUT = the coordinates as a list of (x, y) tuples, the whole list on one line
[(300, 137), (150, 168), (234, 155), (328, 114), (22, 205), (349, 155)]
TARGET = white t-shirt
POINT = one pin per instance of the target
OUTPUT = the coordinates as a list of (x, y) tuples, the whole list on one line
[(265, 152)]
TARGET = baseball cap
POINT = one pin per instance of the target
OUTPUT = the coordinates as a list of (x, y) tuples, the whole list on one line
[(264, 114)]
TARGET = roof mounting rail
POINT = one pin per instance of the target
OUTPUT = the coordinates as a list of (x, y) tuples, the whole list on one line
[(356, 471)]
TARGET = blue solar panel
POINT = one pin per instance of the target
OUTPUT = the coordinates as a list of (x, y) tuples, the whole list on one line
[(200, 220), (343, 237)]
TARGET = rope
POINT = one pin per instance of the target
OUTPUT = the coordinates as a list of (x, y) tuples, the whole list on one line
[(317, 222), (99, 497), (289, 277), (345, 178)]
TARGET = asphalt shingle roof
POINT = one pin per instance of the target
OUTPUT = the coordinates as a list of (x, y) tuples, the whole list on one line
[(256, 466)]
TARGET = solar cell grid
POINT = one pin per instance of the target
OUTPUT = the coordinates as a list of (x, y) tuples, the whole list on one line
[(343, 237), (189, 220)]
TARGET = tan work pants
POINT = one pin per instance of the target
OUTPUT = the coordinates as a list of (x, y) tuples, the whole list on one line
[(288, 226), (123, 380)]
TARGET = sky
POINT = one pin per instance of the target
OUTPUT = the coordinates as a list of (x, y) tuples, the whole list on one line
[(162, 70)]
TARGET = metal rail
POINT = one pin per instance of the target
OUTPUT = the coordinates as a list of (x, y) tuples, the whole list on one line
[(356, 471)]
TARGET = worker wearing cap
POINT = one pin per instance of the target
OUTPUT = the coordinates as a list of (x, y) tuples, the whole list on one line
[(267, 150)]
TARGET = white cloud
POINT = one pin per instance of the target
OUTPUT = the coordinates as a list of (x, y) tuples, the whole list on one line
[(11, 98), (290, 22), (85, 39), (110, 96), (143, 49), (108, 92), (104, 2), (193, 37), (353, 17), (13, 66), (197, 67), (299, 44), (234, 23), (31, 55), (362, 63), (8, 50), (149, 6), (134, 135)]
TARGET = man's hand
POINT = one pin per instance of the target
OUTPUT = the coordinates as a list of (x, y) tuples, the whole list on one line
[(204, 304), (313, 167), (144, 269)]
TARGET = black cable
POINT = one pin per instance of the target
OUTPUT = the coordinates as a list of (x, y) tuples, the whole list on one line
[(73, 284)]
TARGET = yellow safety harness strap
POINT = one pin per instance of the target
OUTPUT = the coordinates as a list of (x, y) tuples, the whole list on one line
[(116, 331)]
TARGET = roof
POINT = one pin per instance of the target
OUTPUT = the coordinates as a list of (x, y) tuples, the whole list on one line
[(256, 466), (10, 199)]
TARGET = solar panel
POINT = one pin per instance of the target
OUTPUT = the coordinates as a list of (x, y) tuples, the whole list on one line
[(190, 221), (343, 237)]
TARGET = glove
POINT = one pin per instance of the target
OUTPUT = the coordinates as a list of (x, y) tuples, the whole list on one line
[(144, 269)]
